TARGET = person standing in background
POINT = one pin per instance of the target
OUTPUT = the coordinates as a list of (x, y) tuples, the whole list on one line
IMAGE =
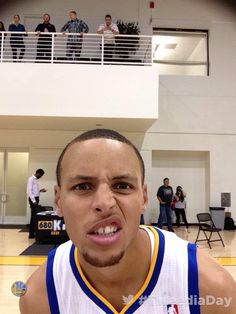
[(2, 29), (164, 196), (33, 193), (16, 40), (109, 30), (180, 206), (74, 44), (44, 46)]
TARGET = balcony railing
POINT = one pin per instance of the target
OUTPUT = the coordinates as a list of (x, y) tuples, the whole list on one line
[(72, 48)]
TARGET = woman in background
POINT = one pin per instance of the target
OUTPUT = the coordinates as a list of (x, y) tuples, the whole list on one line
[(180, 206)]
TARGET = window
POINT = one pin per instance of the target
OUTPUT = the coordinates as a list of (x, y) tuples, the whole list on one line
[(181, 51)]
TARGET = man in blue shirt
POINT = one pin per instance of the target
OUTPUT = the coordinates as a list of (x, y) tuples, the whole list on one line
[(16, 40), (74, 43), (164, 196)]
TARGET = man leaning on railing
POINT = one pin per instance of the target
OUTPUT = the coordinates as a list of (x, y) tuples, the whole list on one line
[(109, 30), (44, 46), (74, 43)]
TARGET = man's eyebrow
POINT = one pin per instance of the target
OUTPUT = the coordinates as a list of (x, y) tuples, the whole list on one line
[(125, 177), (81, 177)]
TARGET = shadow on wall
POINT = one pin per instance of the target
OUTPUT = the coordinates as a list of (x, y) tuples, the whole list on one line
[(230, 3), (4, 4)]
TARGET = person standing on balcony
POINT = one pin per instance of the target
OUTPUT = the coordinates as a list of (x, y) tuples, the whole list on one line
[(16, 40), (74, 43), (2, 29), (44, 46), (109, 30)]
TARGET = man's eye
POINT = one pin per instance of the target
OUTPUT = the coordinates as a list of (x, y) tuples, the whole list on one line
[(82, 187), (122, 186)]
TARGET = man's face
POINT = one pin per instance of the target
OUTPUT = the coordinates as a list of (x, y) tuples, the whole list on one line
[(72, 16), (166, 182), (38, 175), (16, 19), (46, 18), (101, 198), (108, 21)]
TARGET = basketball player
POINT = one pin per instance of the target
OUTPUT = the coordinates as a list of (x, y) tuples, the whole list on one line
[(111, 264)]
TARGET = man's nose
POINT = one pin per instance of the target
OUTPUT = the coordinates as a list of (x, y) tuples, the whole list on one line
[(104, 199)]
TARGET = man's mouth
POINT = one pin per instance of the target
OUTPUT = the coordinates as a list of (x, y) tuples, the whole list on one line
[(106, 231)]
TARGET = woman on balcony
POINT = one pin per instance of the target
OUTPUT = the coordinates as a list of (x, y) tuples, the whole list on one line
[(16, 40)]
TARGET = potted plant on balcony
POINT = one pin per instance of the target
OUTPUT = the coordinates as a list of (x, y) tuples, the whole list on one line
[(125, 45)]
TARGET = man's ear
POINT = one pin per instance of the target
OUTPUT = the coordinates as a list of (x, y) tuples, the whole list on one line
[(57, 200), (145, 197)]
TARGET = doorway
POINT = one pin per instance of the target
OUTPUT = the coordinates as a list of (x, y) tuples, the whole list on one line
[(13, 180), (189, 169)]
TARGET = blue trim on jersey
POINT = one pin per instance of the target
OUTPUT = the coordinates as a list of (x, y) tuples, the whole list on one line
[(83, 285), (155, 275), (51, 290), (193, 290)]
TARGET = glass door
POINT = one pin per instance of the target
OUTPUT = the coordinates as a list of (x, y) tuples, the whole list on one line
[(13, 191)]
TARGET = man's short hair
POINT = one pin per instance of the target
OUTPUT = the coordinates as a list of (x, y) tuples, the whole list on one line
[(165, 179), (47, 15), (40, 171), (108, 15), (100, 133), (17, 16), (74, 12)]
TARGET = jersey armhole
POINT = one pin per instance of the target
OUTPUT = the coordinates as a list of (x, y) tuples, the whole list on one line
[(51, 290), (193, 289)]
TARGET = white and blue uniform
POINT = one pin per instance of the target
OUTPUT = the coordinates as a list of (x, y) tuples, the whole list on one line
[(171, 286)]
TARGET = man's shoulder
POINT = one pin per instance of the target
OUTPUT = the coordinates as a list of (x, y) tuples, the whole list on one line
[(35, 299), (215, 283)]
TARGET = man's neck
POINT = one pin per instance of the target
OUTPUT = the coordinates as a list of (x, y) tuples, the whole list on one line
[(124, 274)]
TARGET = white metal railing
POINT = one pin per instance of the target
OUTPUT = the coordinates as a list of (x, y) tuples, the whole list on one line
[(71, 48)]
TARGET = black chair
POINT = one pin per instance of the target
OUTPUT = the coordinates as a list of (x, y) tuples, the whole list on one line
[(208, 227)]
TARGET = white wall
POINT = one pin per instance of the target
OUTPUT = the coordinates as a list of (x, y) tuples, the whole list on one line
[(91, 12), (79, 90)]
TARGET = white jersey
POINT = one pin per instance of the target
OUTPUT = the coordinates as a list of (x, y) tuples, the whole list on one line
[(171, 286)]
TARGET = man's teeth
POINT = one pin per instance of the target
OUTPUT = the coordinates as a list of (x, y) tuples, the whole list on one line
[(108, 230)]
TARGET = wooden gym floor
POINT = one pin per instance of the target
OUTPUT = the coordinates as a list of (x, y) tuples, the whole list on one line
[(18, 268)]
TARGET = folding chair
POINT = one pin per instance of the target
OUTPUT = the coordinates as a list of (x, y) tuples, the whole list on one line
[(207, 225)]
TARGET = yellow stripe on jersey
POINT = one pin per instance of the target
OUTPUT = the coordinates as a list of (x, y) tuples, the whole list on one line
[(94, 291), (141, 290), (148, 278)]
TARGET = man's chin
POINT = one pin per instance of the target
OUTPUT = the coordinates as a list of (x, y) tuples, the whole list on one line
[(103, 262)]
